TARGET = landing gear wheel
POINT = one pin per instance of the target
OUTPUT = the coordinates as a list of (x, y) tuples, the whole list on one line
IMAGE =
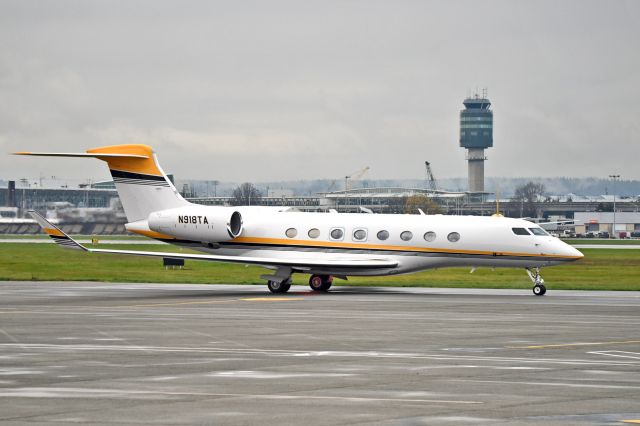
[(539, 290), (279, 287), (320, 282), (538, 283)]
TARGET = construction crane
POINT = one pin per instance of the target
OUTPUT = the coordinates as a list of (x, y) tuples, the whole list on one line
[(354, 175), (431, 180)]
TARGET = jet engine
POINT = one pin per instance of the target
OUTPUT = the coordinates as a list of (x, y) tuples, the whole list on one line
[(198, 223)]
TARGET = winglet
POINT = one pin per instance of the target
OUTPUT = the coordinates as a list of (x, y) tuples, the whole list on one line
[(55, 233)]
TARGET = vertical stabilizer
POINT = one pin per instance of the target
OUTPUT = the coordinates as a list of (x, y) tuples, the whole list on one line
[(142, 185)]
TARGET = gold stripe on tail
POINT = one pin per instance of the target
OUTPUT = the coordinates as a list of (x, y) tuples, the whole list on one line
[(146, 165)]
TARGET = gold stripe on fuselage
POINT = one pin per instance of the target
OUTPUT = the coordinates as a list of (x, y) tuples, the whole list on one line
[(332, 244), (268, 242)]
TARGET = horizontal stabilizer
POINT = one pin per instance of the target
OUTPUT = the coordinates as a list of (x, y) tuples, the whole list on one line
[(80, 154), (56, 233)]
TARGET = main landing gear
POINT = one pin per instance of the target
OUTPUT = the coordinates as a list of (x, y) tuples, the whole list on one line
[(538, 283), (320, 282), (279, 286), (280, 282)]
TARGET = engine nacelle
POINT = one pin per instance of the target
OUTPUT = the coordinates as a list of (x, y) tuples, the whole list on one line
[(198, 223)]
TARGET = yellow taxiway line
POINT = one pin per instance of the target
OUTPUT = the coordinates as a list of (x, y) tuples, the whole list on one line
[(200, 302), (248, 299), (271, 299)]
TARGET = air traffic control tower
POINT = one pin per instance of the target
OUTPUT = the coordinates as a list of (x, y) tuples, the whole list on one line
[(476, 134)]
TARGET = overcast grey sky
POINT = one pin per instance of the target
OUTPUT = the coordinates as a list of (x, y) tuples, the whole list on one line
[(270, 90)]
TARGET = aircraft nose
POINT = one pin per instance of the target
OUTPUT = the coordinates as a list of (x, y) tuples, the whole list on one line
[(570, 251)]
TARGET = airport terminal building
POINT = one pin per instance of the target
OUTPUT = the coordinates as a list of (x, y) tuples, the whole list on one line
[(618, 224)]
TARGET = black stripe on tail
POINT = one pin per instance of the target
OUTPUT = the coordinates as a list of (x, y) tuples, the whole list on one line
[(131, 178)]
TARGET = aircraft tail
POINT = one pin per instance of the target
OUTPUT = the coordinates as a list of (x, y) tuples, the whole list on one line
[(141, 184)]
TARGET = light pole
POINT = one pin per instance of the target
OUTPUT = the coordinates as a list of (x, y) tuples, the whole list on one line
[(615, 178)]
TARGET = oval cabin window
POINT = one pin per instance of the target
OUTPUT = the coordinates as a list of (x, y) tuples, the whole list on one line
[(359, 235), (337, 234), (383, 235), (314, 233), (406, 236), (429, 236), (453, 237), (291, 232)]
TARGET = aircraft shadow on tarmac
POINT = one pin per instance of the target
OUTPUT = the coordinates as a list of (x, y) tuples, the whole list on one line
[(156, 294), (104, 293)]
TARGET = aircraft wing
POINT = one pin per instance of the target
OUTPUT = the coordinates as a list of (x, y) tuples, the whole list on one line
[(65, 241)]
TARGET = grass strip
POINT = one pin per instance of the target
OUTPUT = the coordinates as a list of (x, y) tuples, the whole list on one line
[(601, 269)]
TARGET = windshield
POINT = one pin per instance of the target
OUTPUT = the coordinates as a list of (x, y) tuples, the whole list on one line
[(538, 231), (520, 231)]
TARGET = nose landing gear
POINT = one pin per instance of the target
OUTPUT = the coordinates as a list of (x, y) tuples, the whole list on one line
[(320, 282), (538, 283)]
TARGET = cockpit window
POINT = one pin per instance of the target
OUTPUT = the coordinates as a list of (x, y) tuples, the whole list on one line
[(538, 231), (520, 231)]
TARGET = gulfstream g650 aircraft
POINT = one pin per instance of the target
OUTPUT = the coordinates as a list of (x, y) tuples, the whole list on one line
[(324, 245)]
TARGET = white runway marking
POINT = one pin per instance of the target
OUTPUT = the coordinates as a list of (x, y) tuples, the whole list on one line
[(561, 384), (40, 392), (293, 353), (271, 375), (18, 372), (618, 354)]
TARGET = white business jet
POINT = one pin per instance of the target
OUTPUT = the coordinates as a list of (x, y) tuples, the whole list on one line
[(324, 245)]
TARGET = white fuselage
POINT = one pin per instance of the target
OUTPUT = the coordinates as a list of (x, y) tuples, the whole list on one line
[(272, 233)]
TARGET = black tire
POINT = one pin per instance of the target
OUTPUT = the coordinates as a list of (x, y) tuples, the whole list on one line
[(316, 283), (327, 280), (320, 282), (278, 287), (539, 290)]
